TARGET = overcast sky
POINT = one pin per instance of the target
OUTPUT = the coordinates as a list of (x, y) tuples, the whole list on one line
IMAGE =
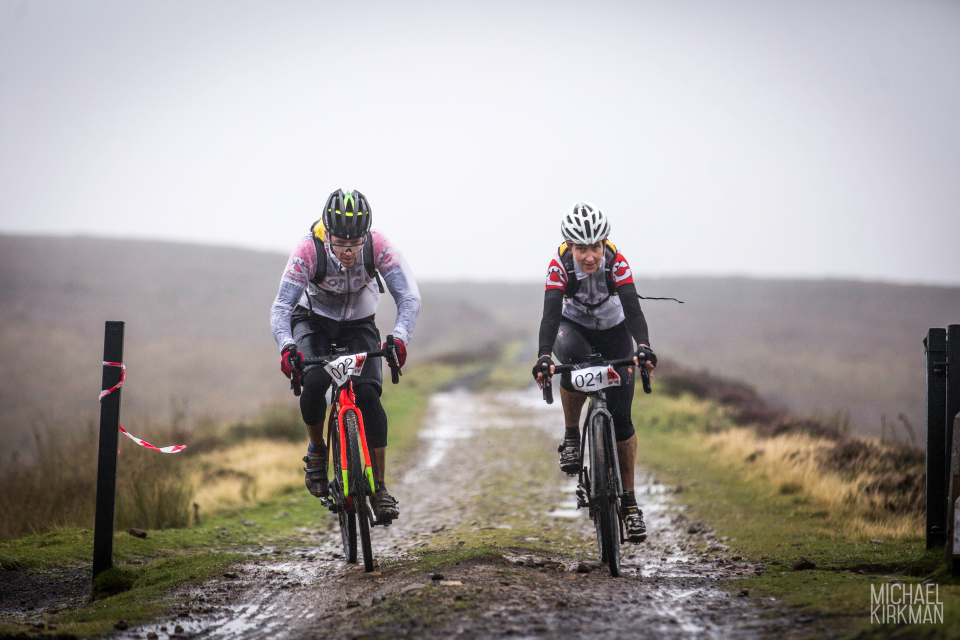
[(762, 138)]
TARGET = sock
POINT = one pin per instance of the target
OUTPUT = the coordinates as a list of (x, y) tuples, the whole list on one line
[(380, 486), (628, 499), (572, 433), (313, 449)]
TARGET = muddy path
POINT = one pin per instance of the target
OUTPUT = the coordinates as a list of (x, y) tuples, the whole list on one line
[(489, 543)]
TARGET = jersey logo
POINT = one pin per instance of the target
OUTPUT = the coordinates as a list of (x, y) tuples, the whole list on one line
[(556, 277), (621, 271)]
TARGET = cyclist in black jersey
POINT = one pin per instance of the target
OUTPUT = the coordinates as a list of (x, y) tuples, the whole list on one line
[(591, 303)]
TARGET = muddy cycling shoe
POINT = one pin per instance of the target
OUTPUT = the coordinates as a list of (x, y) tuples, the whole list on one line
[(384, 505), (633, 522), (569, 456), (316, 473)]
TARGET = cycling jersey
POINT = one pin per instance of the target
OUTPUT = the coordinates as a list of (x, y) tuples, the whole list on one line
[(345, 294), (603, 300), (594, 304)]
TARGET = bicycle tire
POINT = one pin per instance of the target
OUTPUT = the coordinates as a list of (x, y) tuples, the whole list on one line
[(348, 521), (607, 521), (358, 485)]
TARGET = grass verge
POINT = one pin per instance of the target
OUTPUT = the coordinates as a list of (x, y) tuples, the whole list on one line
[(777, 511)]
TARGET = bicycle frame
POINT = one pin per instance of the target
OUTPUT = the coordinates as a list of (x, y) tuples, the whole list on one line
[(346, 401)]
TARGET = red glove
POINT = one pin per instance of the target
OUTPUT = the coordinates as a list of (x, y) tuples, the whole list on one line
[(401, 351), (290, 362)]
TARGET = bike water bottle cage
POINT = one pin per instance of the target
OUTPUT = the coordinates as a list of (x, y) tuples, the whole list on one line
[(573, 283), (319, 234)]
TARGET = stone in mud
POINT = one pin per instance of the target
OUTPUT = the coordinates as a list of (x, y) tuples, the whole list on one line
[(137, 533), (802, 564), (178, 629), (121, 625), (436, 576), (152, 635), (229, 575), (411, 587), (743, 593), (583, 567)]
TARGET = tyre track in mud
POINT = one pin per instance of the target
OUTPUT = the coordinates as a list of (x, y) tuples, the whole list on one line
[(485, 460)]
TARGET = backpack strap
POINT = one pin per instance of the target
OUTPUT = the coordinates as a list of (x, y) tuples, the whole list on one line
[(368, 264), (573, 284), (319, 234)]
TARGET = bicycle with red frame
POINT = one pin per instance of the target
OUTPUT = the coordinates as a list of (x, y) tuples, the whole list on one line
[(352, 483)]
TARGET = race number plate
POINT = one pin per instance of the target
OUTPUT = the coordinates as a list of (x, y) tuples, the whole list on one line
[(345, 366), (594, 378)]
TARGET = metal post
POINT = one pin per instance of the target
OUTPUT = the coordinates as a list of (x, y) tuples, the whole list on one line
[(952, 409), (107, 455), (936, 347), (953, 542)]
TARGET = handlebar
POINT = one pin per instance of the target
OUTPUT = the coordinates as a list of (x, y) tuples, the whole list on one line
[(567, 368), (390, 353)]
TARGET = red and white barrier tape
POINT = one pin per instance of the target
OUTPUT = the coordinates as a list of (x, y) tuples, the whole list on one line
[(103, 394)]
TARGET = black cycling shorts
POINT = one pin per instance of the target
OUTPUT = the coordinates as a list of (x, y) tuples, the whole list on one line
[(314, 335), (575, 342)]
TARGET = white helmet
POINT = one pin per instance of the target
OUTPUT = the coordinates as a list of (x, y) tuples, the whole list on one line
[(584, 224)]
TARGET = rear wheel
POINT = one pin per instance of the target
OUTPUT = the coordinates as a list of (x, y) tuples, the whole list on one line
[(358, 485), (604, 485)]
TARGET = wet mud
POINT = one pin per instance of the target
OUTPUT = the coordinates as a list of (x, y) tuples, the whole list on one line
[(485, 461)]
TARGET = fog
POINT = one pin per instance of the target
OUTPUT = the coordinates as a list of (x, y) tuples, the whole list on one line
[(780, 139)]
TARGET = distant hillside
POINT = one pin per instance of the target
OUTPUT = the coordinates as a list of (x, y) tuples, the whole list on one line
[(198, 332)]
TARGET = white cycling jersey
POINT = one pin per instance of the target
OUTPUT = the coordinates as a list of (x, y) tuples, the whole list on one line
[(345, 294)]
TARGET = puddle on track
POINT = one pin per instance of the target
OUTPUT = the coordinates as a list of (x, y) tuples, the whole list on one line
[(666, 591)]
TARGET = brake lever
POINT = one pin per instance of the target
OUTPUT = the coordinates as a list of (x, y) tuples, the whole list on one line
[(547, 383)]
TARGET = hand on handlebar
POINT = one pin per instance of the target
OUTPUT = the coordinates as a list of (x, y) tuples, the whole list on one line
[(291, 362), (649, 357), (544, 365), (401, 350)]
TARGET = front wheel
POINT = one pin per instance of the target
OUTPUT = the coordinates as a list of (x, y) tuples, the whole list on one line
[(348, 519), (358, 485), (604, 483)]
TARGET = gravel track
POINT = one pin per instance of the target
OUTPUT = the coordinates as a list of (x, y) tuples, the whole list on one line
[(468, 447)]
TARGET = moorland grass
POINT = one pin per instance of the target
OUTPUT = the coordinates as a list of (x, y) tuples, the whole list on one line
[(777, 499)]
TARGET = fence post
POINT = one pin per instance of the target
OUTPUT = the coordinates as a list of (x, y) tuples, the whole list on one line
[(107, 454), (936, 348), (952, 409)]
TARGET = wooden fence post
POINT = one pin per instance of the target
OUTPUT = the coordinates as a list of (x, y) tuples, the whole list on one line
[(107, 453), (936, 348)]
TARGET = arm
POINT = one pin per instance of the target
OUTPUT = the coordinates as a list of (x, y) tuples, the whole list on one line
[(622, 276), (399, 280), (552, 306), (301, 266), (552, 312), (636, 323)]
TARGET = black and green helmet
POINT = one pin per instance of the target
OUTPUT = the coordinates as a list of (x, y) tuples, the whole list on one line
[(347, 215)]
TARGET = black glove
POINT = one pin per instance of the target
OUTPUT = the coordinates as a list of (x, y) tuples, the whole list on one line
[(648, 353), (540, 368)]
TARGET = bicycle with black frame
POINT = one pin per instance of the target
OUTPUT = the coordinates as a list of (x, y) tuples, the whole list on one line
[(352, 484), (599, 486)]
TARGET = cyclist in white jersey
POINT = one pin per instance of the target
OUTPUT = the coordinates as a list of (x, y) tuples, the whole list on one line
[(329, 293)]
